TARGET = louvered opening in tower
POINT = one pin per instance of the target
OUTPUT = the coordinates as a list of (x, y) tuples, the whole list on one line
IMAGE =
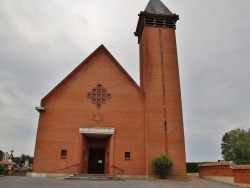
[(159, 22)]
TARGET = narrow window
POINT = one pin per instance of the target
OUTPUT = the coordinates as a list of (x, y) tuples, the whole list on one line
[(63, 153), (85, 156), (107, 157), (127, 155), (99, 86), (94, 90)]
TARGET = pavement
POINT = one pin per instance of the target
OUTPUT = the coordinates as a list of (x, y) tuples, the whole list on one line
[(28, 182)]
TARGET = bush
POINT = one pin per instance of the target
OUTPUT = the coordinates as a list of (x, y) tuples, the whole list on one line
[(3, 170), (161, 166)]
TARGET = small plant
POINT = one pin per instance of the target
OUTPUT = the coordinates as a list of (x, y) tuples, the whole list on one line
[(161, 166), (3, 170)]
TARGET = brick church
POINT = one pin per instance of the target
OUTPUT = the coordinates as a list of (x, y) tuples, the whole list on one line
[(98, 120)]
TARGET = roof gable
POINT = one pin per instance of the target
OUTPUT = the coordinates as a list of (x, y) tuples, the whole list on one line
[(101, 47)]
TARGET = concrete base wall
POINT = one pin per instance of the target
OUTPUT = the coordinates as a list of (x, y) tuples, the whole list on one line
[(45, 175), (125, 177), (229, 180), (132, 177)]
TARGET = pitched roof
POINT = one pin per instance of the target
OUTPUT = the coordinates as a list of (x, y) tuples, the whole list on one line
[(101, 47), (157, 7)]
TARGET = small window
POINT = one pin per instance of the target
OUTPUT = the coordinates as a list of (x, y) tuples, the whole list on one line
[(98, 105), (99, 86), (99, 91), (103, 101), (63, 153), (94, 90), (108, 95), (127, 155), (98, 96), (89, 95)]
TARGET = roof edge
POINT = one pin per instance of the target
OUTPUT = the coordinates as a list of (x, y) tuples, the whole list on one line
[(83, 63), (124, 72)]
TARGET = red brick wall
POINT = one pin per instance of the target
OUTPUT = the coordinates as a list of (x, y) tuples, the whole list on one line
[(156, 70), (240, 173), (216, 171), (69, 108)]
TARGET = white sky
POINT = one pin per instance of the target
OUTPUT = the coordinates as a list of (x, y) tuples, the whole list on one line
[(42, 41)]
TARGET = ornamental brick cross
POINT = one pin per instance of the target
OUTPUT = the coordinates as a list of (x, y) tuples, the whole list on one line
[(99, 96)]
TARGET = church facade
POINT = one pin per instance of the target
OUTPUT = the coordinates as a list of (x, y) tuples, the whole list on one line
[(99, 121)]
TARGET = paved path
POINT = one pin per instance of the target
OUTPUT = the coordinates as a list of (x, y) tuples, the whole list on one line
[(27, 182)]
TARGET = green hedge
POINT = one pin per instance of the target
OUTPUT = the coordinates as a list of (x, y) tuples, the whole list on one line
[(242, 162), (192, 167)]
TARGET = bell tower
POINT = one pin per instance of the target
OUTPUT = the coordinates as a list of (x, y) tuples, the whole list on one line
[(159, 79)]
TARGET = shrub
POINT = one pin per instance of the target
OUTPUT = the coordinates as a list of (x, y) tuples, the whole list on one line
[(3, 170), (161, 166)]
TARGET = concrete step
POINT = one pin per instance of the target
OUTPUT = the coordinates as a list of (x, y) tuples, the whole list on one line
[(92, 177)]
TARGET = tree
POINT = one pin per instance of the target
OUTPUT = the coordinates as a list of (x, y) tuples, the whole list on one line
[(20, 160), (1, 155), (226, 146), (3, 170), (236, 145)]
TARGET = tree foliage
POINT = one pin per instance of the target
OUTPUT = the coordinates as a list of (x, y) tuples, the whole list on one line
[(21, 160), (236, 145), (1, 155), (3, 170)]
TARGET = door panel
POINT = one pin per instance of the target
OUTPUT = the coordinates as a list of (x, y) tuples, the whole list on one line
[(96, 160)]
